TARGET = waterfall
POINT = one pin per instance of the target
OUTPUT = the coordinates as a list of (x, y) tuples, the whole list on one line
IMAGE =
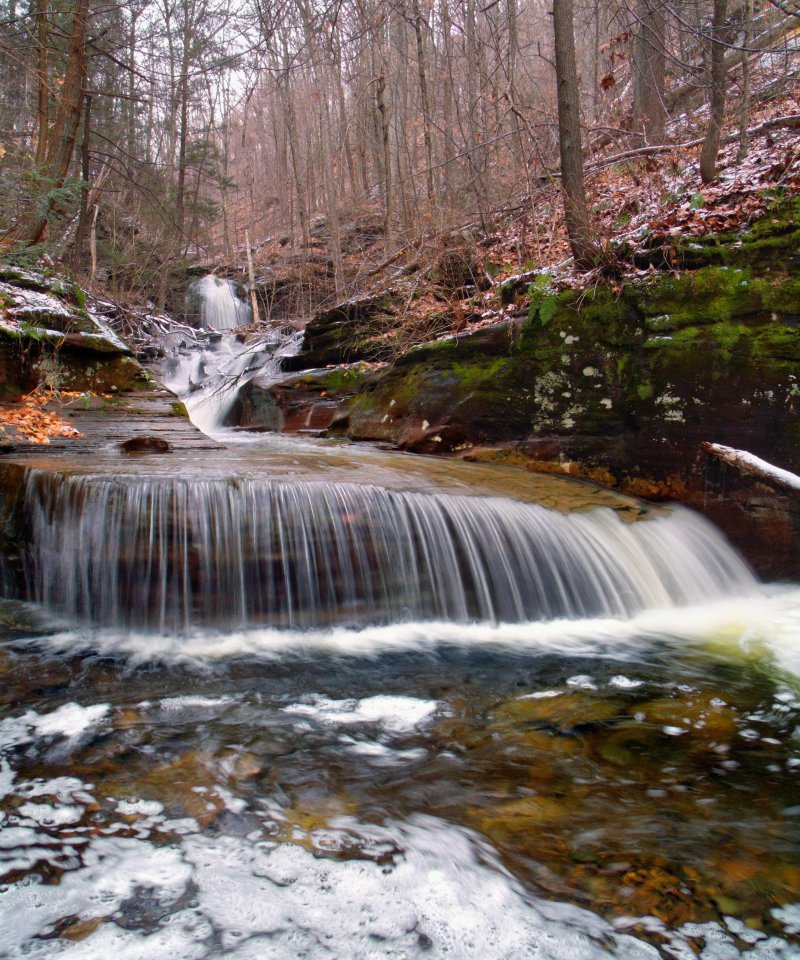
[(207, 370), (208, 377), (171, 554), (218, 304)]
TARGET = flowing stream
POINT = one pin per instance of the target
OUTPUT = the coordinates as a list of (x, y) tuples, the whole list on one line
[(299, 699)]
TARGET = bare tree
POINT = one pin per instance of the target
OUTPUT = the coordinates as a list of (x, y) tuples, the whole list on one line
[(576, 213)]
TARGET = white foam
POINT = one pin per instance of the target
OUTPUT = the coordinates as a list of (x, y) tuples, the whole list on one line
[(394, 713), (425, 888), (622, 682), (50, 816), (113, 869), (445, 887), (141, 808), (177, 704), (763, 627), (69, 720)]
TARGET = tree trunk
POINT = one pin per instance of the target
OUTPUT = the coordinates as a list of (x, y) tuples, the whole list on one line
[(649, 65), (131, 104), (61, 138), (423, 90), (569, 134), (83, 217), (387, 159), (344, 126), (744, 101), (41, 72), (183, 133), (719, 38)]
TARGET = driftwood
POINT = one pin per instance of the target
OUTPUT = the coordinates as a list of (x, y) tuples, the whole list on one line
[(747, 463)]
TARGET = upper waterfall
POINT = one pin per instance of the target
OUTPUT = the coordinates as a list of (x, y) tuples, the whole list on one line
[(217, 303)]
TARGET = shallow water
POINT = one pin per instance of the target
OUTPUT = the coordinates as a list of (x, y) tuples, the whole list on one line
[(563, 790)]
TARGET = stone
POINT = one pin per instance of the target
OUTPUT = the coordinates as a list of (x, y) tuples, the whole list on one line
[(145, 444)]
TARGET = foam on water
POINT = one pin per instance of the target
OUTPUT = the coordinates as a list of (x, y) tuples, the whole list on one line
[(762, 628), (69, 720), (109, 875), (421, 888), (394, 714)]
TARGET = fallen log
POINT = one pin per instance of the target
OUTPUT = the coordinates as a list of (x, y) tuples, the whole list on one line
[(748, 463)]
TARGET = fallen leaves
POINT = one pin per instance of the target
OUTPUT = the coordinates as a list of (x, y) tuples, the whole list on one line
[(30, 422)]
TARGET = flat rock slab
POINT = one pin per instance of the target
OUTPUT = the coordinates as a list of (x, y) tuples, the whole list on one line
[(103, 424)]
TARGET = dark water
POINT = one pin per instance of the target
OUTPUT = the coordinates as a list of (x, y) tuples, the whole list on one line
[(605, 788)]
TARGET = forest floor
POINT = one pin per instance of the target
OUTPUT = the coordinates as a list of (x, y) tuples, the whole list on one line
[(642, 202)]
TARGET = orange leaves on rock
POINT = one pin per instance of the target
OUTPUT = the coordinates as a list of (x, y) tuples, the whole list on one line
[(29, 422)]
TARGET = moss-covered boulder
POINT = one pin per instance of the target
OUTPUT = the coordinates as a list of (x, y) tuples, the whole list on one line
[(344, 333), (445, 395), (48, 337), (299, 403)]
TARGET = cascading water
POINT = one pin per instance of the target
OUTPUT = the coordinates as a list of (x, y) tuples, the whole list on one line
[(207, 370), (170, 555), (218, 304), (324, 701)]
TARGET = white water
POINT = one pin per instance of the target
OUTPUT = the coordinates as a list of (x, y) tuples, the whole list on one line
[(207, 372), (762, 629), (208, 378), (221, 308), (171, 555)]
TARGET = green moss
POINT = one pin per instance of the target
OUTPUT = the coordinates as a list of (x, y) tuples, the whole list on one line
[(339, 380), (708, 295), (179, 410), (780, 294), (476, 376), (728, 335)]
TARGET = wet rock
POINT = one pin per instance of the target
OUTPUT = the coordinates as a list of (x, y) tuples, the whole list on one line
[(145, 444), (81, 929), (306, 402), (563, 712), (342, 334), (186, 787), (702, 717)]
